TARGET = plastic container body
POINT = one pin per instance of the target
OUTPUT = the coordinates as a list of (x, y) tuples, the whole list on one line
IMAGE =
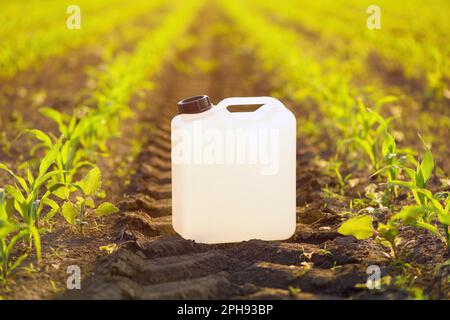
[(234, 173)]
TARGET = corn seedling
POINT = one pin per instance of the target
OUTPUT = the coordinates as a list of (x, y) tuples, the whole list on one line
[(418, 179), (75, 212), (22, 205), (26, 192), (367, 135), (424, 216), (334, 166), (74, 131), (361, 227), (11, 234), (429, 207)]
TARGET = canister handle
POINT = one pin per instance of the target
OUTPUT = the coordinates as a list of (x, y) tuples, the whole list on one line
[(264, 101)]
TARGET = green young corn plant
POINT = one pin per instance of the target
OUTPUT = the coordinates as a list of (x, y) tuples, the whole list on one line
[(27, 192), (425, 216), (394, 159), (368, 134), (361, 227), (428, 206), (418, 178), (11, 234), (93, 128), (334, 166), (75, 212), (70, 157), (74, 129), (390, 156), (110, 110), (25, 202)]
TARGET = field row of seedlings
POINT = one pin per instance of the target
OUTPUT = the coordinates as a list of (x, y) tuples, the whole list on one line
[(27, 43), (404, 45), (401, 189), (401, 60), (42, 84), (61, 176)]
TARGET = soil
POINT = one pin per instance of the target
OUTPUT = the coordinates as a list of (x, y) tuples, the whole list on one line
[(148, 260)]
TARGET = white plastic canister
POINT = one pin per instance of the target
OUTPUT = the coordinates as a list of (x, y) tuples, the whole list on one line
[(233, 173)]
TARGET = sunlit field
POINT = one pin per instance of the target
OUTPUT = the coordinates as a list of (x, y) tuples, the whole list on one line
[(87, 93)]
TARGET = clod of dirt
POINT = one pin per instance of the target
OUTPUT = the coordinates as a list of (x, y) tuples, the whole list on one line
[(157, 191), (308, 234), (347, 250), (310, 214), (152, 207), (166, 245), (257, 250), (280, 294), (340, 280), (144, 224), (266, 274)]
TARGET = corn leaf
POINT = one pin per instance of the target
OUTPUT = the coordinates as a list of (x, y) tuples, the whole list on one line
[(18, 262), (30, 176), (41, 136), (37, 241), (53, 205), (385, 100), (429, 227), (410, 214), (106, 208), (6, 228), (62, 192), (90, 203), (91, 183), (69, 212), (444, 218), (20, 180), (406, 184), (42, 179), (427, 165), (360, 227), (48, 159), (55, 116), (15, 193)]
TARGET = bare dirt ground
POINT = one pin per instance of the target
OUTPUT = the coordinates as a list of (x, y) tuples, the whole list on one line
[(149, 261)]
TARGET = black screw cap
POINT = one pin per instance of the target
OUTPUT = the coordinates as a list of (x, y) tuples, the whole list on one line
[(196, 104)]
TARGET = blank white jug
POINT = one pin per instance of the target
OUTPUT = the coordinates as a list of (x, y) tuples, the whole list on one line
[(233, 173)]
